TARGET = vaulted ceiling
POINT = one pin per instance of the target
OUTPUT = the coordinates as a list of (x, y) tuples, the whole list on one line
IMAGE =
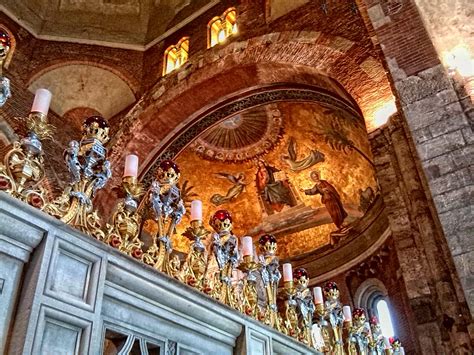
[(126, 23)]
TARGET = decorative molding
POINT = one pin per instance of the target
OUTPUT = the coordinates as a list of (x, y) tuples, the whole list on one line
[(350, 264)]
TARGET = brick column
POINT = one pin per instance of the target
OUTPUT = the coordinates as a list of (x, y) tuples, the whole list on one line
[(437, 119)]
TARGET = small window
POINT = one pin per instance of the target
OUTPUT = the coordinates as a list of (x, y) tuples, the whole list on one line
[(384, 318), (176, 55), (222, 27)]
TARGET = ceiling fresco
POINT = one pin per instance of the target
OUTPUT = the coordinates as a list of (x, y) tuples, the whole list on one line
[(303, 173)]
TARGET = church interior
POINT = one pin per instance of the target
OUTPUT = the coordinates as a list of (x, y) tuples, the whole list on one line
[(236, 177)]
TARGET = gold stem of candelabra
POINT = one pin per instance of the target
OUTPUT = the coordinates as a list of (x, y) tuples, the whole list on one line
[(195, 268), (22, 171), (124, 232), (250, 295)]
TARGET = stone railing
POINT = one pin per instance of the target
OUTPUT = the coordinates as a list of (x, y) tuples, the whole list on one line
[(62, 292)]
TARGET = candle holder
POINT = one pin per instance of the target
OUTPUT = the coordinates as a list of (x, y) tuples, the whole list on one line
[(271, 276), (331, 319), (89, 171), (376, 344), (290, 317), (5, 91), (168, 208), (396, 345), (224, 245), (124, 232), (22, 171), (305, 305), (359, 335), (194, 269), (249, 291)]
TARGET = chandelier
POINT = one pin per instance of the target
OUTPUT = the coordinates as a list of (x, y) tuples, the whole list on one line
[(245, 278)]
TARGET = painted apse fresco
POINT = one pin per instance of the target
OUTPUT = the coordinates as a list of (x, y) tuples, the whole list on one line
[(301, 171)]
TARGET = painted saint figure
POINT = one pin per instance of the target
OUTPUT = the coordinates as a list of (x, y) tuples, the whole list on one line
[(275, 192), (329, 197)]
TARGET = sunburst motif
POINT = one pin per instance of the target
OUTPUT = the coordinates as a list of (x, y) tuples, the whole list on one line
[(243, 136)]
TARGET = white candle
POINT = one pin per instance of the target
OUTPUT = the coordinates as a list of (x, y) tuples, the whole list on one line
[(131, 166), (386, 341), (196, 210), (247, 246), (41, 101), (346, 311), (318, 295), (287, 272)]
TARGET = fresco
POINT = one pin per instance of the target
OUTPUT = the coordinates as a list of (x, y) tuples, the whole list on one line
[(313, 178)]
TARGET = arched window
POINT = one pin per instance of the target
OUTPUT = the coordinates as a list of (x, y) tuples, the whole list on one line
[(221, 27), (384, 317), (176, 55), (372, 295)]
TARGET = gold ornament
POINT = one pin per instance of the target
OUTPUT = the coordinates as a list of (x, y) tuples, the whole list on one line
[(22, 171), (124, 232), (90, 171)]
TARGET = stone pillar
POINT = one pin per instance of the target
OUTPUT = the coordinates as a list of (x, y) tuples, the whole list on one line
[(18, 238), (438, 121)]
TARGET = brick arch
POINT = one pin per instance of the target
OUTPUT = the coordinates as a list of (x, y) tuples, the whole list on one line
[(305, 58)]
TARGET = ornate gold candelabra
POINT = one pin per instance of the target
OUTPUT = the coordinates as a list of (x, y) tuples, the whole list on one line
[(224, 246), (195, 267), (376, 343), (5, 44), (359, 334), (90, 171), (271, 276), (22, 170), (290, 317), (249, 304), (330, 320), (168, 209), (124, 232), (305, 305)]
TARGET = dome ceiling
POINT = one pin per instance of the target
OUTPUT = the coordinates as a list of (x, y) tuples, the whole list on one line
[(124, 23), (242, 137)]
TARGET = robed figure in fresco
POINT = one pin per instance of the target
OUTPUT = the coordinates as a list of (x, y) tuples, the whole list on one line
[(329, 197), (276, 193)]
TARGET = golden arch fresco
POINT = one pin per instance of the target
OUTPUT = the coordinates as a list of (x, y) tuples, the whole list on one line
[(293, 181)]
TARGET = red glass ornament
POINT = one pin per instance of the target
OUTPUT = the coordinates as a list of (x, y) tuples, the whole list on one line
[(374, 320), (299, 273), (358, 312), (137, 253), (101, 121), (267, 238), (5, 39), (4, 184), (222, 215), (166, 165), (330, 285)]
